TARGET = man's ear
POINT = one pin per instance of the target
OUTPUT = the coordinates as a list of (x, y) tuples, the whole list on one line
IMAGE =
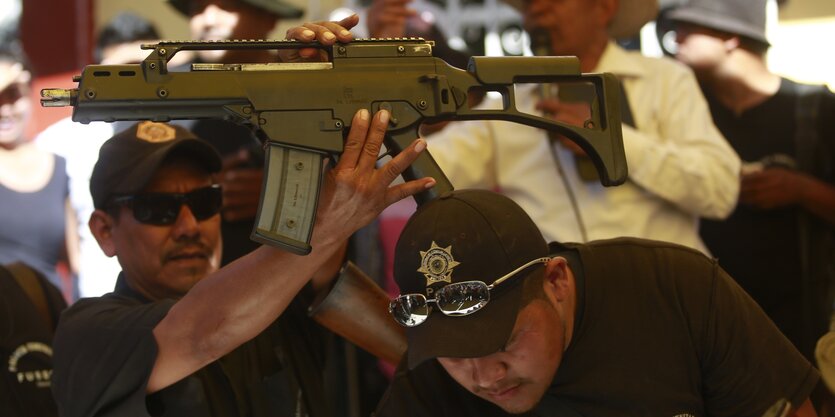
[(608, 9), (732, 43), (558, 280), (101, 225)]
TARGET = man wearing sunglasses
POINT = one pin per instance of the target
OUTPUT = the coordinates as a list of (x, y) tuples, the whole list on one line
[(499, 322), (180, 336)]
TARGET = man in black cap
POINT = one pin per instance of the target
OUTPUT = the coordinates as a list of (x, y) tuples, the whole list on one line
[(785, 134), (613, 327), (180, 336)]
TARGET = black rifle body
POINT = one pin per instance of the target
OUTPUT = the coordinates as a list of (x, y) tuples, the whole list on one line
[(302, 111)]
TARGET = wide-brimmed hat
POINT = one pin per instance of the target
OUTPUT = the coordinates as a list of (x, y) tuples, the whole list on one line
[(739, 17), (631, 16), (129, 159), (466, 235), (279, 8)]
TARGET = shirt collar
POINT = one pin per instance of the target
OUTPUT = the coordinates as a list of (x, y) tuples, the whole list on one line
[(620, 62), (123, 289)]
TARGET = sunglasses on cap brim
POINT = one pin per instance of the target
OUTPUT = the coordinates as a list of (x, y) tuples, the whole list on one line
[(456, 299)]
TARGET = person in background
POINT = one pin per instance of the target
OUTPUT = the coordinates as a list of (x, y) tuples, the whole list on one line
[(220, 20), (498, 322), (778, 242), (118, 42), (680, 167), (38, 221), (31, 306)]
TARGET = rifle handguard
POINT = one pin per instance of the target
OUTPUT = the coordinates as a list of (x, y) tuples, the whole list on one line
[(356, 308)]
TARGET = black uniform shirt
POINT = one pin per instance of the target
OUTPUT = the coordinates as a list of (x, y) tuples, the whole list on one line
[(105, 350)]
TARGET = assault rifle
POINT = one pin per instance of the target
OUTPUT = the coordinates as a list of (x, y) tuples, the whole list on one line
[(303, 110)]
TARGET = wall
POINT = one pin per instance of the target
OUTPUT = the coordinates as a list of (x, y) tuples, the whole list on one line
[(802, 39)]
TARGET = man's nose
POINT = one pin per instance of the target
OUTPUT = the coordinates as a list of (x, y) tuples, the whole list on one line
[(487, 371), (186, 224)]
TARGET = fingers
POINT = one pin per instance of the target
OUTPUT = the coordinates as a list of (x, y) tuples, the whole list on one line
[(396, 166), (355, 140), (350, 21), (373, 141), (326, 33)]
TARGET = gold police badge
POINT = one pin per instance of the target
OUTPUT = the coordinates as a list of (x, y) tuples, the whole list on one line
[(155, 132), (436, 264)]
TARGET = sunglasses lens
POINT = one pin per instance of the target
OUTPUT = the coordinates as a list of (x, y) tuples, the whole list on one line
[(163, 209), (156, 209), (205, 202), (462, 298), (409, 310)]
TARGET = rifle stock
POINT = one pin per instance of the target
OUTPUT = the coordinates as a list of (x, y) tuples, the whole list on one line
[(302, 111)]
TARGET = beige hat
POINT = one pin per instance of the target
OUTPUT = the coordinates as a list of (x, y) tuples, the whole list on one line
[(631, 16)]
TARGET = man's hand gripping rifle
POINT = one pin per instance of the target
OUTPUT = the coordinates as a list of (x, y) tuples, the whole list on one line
[(303, 110)]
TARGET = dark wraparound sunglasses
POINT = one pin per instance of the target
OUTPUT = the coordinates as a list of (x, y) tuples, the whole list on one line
[(457, 299), (162, 209)]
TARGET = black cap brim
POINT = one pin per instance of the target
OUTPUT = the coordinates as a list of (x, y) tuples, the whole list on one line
[(479, 334)]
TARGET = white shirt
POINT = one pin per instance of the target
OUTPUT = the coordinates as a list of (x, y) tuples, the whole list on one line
[(680, 166), (79, 144)]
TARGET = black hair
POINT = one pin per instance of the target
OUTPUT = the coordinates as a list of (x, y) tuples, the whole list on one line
[(11, 50), (125, 27)]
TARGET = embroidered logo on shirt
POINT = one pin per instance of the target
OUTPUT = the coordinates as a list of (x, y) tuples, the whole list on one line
[(41, 378), (436, 264)]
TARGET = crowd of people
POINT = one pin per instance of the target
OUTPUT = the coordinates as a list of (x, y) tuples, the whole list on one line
[(701, 286)]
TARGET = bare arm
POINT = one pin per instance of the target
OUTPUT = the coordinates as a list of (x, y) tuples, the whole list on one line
[(239, 301), (778, 187)]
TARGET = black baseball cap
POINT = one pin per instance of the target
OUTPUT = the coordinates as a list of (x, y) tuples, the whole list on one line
[(279, 8), (129, 159), (739, 17), (466, 235)]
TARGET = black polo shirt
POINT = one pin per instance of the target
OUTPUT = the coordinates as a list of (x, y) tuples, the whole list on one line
[(105, 350)]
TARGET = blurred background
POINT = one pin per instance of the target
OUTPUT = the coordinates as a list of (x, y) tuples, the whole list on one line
[(59, 35)]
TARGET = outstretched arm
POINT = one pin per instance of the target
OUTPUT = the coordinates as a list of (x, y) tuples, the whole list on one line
[(239, 301)]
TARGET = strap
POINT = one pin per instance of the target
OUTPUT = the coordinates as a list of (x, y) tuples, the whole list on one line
[(806, 145), (27, 280), (806, 117)]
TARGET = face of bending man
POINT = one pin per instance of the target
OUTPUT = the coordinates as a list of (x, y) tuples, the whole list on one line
[(163, 261), (516, 377)]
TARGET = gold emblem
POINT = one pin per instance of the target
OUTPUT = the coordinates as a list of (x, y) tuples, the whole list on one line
[(437, 263), (155, 132)]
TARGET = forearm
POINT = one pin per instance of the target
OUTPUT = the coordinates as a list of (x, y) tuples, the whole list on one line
[(230, 307), (700, 176)]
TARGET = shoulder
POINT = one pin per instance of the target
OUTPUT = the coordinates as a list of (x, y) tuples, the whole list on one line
[(101, 315), (655, 249), (651, 68)]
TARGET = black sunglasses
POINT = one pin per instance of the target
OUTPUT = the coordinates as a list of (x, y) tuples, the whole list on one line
[(456, 299), (162, 209)]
